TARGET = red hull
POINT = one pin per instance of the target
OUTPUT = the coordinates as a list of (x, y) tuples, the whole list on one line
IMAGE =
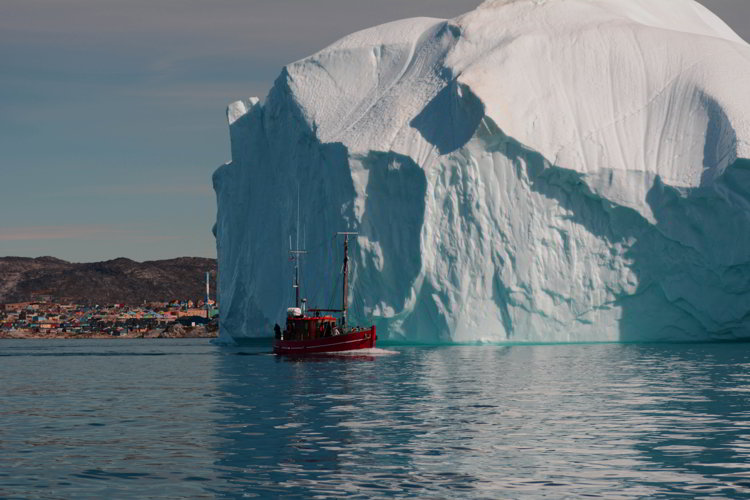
[(359, 339)]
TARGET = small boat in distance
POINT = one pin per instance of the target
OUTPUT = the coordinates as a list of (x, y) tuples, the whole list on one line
[(319, 332)]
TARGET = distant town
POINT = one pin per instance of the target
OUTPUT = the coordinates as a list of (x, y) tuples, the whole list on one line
[(46, 318)]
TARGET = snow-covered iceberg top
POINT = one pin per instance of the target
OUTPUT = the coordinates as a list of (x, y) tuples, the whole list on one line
[(530, 171)]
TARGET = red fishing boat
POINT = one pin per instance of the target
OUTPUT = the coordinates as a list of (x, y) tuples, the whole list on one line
[(316, 330)]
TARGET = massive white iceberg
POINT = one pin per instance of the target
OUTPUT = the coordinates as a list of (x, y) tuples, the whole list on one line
[(531, 171)]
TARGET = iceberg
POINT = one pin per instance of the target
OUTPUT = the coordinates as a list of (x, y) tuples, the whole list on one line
[(531, 171)]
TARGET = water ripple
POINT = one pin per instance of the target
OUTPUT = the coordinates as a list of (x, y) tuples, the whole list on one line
[(190, 419)]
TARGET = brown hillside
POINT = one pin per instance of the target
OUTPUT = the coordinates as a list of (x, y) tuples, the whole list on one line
[(113, 281)]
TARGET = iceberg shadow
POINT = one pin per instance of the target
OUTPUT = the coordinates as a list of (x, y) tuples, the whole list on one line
[(451, 118), (686, 291)]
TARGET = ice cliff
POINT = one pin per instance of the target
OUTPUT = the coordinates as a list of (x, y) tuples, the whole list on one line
[(534, 170)]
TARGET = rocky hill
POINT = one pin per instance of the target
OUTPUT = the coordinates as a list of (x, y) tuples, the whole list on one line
[(113, 281)]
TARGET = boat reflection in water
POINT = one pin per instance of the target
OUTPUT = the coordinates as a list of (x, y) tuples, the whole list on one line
[(326, 356)]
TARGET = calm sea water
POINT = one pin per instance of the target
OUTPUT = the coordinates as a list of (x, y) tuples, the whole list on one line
[(185, 418)]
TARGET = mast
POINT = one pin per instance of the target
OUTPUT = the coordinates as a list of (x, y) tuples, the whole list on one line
[(296, 283), (346, 280), (296, 256), (296, 261), (345, 294)]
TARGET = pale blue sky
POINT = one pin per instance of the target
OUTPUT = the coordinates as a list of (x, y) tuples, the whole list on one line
[(112, 111)]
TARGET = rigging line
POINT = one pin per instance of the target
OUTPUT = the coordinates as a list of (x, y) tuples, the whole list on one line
[(318, 293), (329, 268), (331, 259), (326, 270), (319, 290), (314, 290), (359, 302), (334, 293), (315, 247)]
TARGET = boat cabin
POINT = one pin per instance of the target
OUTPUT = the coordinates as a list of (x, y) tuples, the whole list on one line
[(301, 327)]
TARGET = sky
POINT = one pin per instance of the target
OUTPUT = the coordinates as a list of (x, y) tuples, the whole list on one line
[(112, 112)]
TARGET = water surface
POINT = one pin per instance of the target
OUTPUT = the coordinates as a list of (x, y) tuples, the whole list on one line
[(185, 418)]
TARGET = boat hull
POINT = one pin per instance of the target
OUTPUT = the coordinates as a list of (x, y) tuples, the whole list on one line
[(352, 341)]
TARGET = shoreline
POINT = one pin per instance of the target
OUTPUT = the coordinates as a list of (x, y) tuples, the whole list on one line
[(188, 333)]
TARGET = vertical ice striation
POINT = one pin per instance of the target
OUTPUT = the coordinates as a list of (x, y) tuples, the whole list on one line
[(559, 170)]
